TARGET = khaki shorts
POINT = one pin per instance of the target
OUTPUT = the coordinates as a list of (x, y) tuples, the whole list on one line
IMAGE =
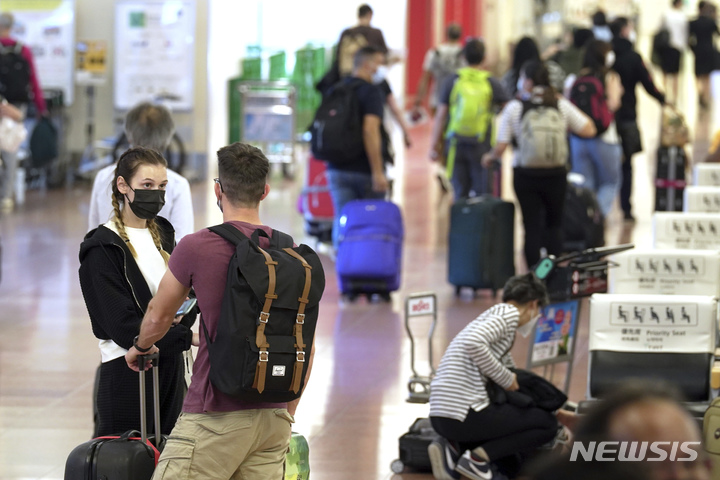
[(244, 444)]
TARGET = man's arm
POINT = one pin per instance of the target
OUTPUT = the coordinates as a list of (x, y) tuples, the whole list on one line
[(38, 97), (292, 406), (159, 316), (373, 149), (647, 82), (438, 125), (422, 88)]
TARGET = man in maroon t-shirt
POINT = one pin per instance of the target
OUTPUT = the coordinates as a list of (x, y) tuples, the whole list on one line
[(217, 436)]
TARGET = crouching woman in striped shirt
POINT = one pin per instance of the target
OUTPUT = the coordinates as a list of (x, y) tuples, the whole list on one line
[(476, 432)]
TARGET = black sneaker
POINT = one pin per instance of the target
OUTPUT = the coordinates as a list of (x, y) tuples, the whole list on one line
[(628, 217), (443, 458), (474, 468)]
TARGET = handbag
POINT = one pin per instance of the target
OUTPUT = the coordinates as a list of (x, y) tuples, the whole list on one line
[(12, 134)]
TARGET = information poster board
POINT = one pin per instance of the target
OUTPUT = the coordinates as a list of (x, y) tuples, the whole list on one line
[(555, 333), (91, 68), (48, 28), (154, 52)]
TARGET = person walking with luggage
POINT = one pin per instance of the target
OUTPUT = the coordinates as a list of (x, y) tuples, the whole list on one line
[(20, 86), (702, 33), (631, 68), (150, 126), (466, 104), (597, 92), (675, 21), (539, 125), (219, 436), (474, 431), (351, 40), (354, 156), (525, 51), (121, 264), (440, 64)]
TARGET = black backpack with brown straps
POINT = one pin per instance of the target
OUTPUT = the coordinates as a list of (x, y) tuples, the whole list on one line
[(266, 327)]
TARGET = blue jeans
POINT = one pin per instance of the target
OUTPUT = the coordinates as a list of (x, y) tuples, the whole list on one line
[(599, 163), (346, 186)]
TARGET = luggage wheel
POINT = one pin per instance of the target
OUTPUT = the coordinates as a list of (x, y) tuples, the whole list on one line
[(350, 297), (397, 466)]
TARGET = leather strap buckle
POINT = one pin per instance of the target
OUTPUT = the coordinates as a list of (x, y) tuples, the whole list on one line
[(300, 319), (299, 356), (263, 318), (264, 356)]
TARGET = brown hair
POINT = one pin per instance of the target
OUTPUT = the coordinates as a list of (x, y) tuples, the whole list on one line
[(127, 167), (243, 171)]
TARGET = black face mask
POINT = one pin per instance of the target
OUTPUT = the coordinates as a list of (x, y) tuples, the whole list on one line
[(147, 203)]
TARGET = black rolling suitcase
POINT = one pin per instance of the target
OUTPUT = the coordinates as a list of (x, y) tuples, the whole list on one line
[(130, 456), (481, 244), (583, 222), (670, 179), (414, 447)]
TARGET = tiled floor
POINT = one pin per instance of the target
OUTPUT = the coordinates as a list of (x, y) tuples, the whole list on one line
[(354, 408)]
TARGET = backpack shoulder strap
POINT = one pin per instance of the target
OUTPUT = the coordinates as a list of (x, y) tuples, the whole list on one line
[(526, 107), (300, 321), (229, 233)]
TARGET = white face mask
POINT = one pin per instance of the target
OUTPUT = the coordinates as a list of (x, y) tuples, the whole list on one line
[(526, 329), (610, 59), (379, 75), (632, 37)]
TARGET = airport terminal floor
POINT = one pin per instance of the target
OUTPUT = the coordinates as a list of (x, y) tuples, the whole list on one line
[(354, 408)]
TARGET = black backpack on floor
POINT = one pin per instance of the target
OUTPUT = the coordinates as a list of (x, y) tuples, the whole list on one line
[(267, 321), (14, 74), (337, 135)]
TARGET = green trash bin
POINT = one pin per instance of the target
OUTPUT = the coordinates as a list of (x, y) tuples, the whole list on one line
[(277, 66), (251, 69), (234, 107)]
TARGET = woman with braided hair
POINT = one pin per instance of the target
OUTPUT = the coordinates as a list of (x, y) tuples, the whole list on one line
[(121, 264)]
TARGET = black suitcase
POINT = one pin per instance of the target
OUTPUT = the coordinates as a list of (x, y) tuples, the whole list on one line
[(583, 222), (481, 250), (413, 447), (130, 456), (670, 180)]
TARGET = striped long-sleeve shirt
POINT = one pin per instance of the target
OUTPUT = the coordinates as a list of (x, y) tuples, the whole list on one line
[(479, 352)]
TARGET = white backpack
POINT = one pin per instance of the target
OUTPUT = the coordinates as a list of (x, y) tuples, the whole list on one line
[(543, 141)]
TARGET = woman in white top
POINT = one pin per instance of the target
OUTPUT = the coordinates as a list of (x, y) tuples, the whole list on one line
[(676, 23), (121, 265), (540, 184)]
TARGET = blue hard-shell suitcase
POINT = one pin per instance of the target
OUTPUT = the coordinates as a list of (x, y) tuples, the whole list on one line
[(369, 256), (481, 250)]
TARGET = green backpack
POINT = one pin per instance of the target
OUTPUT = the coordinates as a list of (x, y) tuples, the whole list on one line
[(470, 104)]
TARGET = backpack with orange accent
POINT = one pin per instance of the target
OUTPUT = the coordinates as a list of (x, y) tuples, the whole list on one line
[(264, 336)]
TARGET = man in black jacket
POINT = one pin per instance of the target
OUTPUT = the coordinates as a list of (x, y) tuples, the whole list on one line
[(632, 70)]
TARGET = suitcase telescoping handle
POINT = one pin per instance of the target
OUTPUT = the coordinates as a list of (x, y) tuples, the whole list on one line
[(142, 362)]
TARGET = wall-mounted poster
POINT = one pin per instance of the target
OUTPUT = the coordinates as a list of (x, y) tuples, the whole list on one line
[(154, 52), (48, 28)]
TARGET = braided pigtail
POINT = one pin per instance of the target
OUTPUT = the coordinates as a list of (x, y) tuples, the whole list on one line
[(157, 239), (118, 221)]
